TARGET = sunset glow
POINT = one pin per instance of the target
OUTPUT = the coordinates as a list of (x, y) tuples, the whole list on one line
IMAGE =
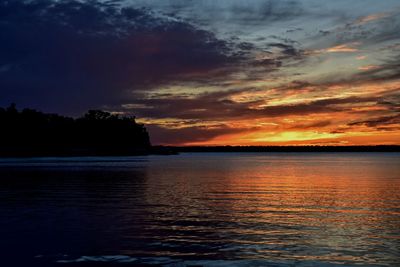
[(215, 72)]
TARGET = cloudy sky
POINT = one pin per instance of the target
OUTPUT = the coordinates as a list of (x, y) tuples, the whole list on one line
[(212, 72)]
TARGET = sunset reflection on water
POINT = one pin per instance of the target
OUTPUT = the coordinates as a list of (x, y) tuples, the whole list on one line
[(208, 209)]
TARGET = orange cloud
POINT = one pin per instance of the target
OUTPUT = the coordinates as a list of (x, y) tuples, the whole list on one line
[(348, 112), (370, 18), (345, 48), (369, 67)]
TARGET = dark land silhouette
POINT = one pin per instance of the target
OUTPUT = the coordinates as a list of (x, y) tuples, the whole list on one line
[(33, 133), (30, 133)]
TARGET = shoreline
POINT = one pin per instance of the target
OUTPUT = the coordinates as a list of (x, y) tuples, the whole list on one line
[(280, 149), (175, 150)]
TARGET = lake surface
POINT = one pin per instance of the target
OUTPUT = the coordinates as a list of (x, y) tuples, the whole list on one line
[(206, 209)]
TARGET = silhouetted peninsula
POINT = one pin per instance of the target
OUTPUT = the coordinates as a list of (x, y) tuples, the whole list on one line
[(96, 133)]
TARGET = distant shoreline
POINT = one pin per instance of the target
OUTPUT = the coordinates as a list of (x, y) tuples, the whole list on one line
[(174, 150), (275, 149)]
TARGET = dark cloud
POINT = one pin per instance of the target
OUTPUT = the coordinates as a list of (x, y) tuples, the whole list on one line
[(166, 136), (294, 30), (380, 30), (67, 56), (286, 49), (218, 106), (324, 32), (284, 40), (234, 11), (379, 122), (271, 10), (277, 55), (388, 69), (269, 63)]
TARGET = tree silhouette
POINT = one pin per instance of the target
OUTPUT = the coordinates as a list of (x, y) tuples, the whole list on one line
[(30, 132)]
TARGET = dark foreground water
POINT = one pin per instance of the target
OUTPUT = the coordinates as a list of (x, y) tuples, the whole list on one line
[(328, 209)]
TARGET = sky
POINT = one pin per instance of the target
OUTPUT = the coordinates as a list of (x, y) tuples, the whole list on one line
[(212, 72)]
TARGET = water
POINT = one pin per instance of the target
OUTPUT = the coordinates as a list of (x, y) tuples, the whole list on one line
[(328, 209)]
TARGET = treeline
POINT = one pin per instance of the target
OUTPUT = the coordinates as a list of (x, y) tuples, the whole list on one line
[(379, 148), (33, 133)]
